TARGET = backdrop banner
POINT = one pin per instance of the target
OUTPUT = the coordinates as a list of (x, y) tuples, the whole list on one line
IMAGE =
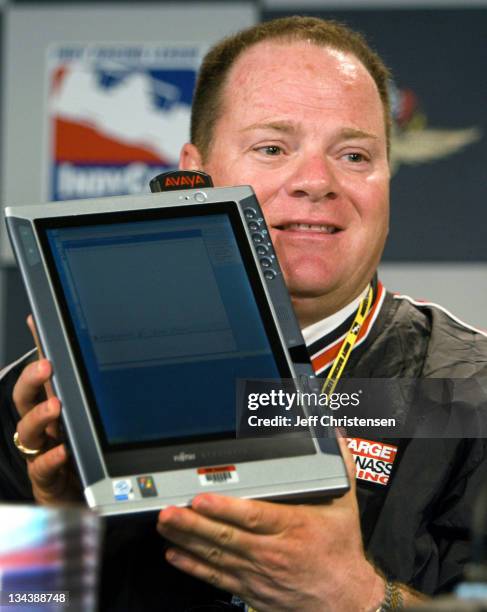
[(117, 115)]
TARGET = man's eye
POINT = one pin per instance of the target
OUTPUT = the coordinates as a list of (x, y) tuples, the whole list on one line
[(271, 150), (356, 157)]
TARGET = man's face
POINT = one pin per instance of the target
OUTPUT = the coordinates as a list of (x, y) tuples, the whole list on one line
[(304, 126)]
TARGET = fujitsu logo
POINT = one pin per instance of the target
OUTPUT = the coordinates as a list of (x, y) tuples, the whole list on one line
[(182, 456)]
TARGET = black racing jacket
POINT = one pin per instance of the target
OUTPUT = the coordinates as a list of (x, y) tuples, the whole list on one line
[(415, 527)]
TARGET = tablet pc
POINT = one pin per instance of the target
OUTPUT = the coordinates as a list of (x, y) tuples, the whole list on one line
[(153, 309)]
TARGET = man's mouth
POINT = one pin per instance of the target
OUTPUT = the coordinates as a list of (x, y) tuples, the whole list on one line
[(308, 227)]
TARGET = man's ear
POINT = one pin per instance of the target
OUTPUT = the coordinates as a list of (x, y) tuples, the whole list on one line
[(190, 158)]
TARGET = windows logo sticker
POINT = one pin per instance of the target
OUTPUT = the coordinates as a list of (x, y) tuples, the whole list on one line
[(147, 486)]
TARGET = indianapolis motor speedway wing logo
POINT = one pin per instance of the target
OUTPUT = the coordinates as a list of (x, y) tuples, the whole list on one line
[(414, 142), (117, 115)]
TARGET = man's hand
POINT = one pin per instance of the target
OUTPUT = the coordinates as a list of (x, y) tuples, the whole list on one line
[(51, 474), (277, 557)]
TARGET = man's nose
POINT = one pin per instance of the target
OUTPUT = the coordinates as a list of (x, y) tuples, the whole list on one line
[(313, 177)]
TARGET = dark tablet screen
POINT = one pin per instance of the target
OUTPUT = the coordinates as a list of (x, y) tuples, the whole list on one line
[(167, 314)]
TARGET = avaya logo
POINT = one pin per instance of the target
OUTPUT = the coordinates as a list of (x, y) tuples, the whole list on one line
[(182, 456), (179, 181)]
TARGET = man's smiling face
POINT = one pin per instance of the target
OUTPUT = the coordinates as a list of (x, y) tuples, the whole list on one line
[(304, 126)]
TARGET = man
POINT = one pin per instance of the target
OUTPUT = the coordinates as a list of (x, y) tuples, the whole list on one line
[(298, 108)]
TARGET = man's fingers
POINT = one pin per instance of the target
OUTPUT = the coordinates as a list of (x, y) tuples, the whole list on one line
[(200, 535), (208, 551), (48, 388), (31, 428), (29, 385), (199, 569), (31, 325), (44, 470), (251, 515)]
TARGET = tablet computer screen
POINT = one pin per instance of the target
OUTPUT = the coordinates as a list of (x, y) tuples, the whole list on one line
[(166, 320)]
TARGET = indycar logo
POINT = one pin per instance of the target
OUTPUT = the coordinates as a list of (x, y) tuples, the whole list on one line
[(118, 115)]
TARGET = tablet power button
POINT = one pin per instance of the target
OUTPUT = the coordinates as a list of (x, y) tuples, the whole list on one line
[(200, 197)]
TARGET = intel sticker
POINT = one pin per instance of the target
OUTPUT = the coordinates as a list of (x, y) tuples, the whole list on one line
[(122, 490)]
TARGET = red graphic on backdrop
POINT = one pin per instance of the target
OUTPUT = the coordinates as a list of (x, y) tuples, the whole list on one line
[(80, 143)]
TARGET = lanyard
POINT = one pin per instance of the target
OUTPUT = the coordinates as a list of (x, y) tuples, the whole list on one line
[(341, 359)]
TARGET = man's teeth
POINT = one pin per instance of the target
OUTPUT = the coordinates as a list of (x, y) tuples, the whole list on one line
[(326, 229)]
